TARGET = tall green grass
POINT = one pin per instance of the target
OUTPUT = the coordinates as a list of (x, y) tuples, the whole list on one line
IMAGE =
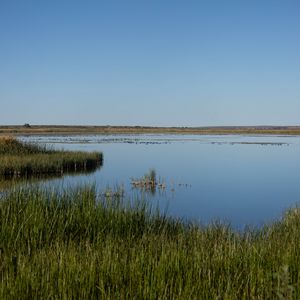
[(11, 146), (23, 159), (78, 245)]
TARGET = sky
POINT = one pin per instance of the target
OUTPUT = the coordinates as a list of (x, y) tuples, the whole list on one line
[(152, 63)]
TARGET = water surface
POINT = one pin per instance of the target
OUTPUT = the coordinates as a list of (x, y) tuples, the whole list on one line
[(245, 180)]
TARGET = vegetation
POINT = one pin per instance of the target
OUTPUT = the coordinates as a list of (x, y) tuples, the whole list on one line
[(67, 130), (78, 244), (148, 182), (22, 159)]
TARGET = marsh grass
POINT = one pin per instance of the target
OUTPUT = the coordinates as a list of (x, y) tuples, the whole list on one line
[(18, 159), (78, 244), (11, 146), (222, 130), (148, 182)]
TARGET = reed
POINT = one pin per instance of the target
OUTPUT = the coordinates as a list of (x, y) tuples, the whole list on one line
[(20, 159), (148, 182), (11, 146), (78, 244)]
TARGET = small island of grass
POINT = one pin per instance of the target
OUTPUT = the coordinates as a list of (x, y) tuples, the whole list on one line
[(19, 159)]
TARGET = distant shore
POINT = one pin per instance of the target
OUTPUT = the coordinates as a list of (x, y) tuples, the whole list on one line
[(75, 130)]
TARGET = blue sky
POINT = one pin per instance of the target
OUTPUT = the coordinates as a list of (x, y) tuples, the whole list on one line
[(162, 63)]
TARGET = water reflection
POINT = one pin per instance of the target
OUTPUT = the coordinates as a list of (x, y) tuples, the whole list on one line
[(240, 179), (9, 181)]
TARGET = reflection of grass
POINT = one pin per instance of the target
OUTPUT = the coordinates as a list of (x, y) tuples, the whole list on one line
[(22, 159), (76, 245), (8, 182)]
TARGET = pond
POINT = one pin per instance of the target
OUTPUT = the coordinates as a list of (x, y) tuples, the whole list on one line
[(243, 180)]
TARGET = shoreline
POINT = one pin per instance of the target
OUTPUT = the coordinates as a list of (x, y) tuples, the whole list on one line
[(17, 130)]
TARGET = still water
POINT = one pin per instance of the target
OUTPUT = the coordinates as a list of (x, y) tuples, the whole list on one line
[(244, 180)]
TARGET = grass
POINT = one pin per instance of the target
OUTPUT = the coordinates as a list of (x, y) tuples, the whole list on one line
[(148, 182), (20, 159), (78, 245), (217, 130)]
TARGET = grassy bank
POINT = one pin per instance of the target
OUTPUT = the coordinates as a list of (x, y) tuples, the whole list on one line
[(217, 130), (76, 245), (21, 159)]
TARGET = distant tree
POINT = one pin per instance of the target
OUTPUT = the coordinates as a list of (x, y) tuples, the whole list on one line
[(27, 125)]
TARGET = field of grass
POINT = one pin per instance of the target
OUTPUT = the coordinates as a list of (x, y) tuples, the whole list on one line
[(19, 159), (78, 245), (218, 130)]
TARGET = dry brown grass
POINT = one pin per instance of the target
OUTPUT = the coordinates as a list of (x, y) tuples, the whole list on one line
[(219, 130), (7, 139)]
